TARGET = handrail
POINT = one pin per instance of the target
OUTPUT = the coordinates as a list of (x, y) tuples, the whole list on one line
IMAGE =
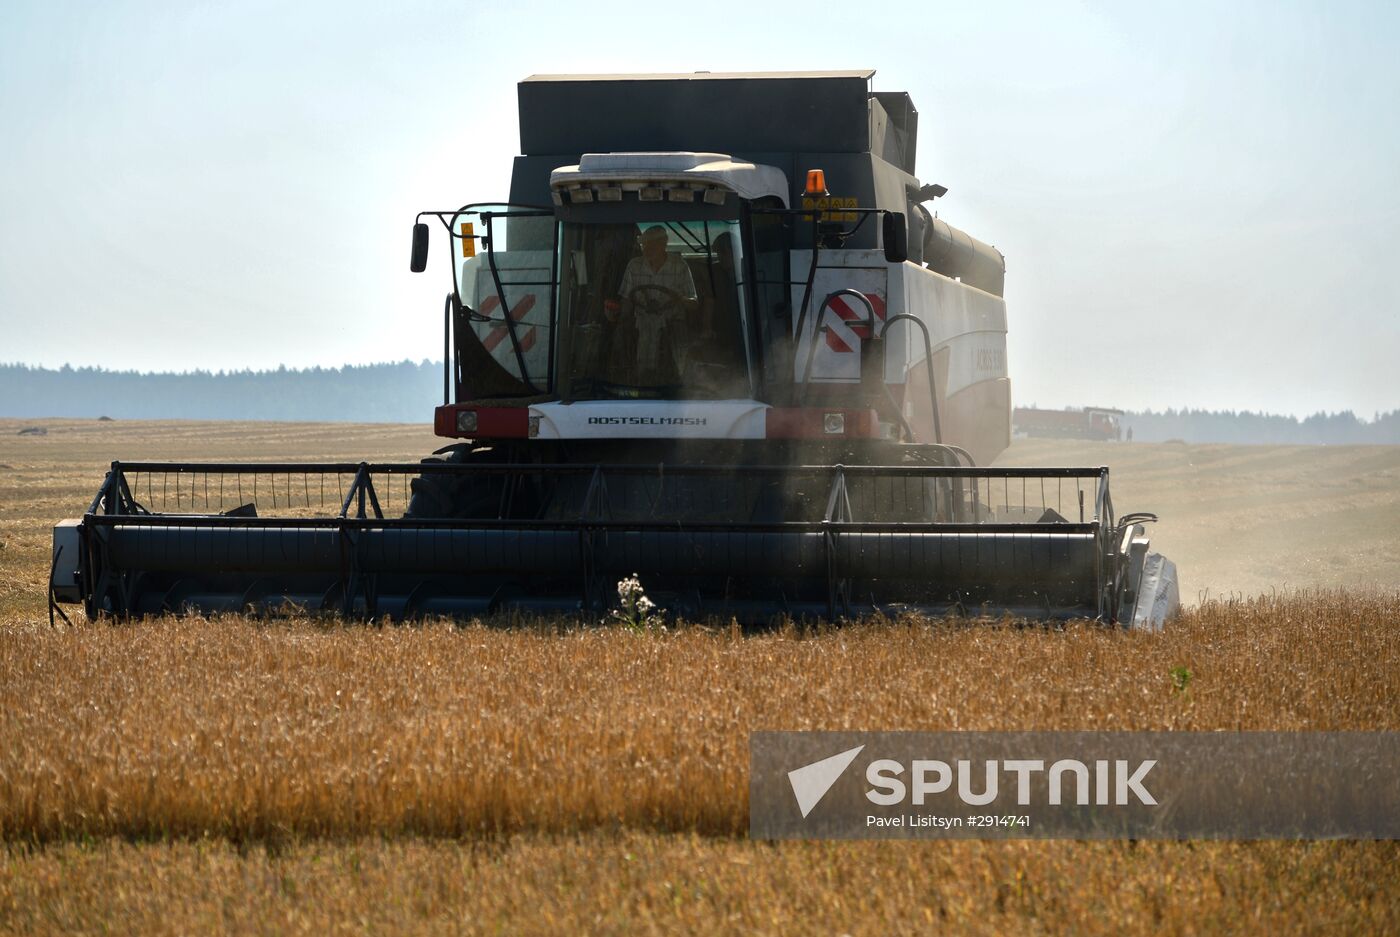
[(447, 356), (509, 320), (928, 359), (821, 313), (801, 322)]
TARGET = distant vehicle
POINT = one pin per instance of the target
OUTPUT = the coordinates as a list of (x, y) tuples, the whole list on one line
[(1087, 423)]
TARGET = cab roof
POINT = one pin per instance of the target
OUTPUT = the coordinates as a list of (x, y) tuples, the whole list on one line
[(864, 74)]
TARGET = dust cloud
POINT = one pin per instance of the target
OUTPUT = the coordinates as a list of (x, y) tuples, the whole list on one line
[(1249, 519)]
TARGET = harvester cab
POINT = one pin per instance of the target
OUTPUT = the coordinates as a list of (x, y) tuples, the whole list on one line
[(725, 274), (656, 300), (714, 338)]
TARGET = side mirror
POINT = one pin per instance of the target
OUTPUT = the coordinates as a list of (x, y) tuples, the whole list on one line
[(894, 231), (419, 262)]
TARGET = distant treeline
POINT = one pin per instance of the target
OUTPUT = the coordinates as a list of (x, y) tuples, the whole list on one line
[(394, 392), (1334, 429), (406, 392)]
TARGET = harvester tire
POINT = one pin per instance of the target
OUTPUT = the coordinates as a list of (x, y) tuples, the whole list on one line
[(453, 496), (432, 494)]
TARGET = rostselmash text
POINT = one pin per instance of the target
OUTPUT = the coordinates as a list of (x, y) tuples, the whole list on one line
[(1100, 782), (647, 420)]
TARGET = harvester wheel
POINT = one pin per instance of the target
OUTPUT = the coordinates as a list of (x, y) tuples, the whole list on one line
[(432, 494), (454, 496)]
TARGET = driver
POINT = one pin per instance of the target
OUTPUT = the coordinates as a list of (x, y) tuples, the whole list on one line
[(658, 292)]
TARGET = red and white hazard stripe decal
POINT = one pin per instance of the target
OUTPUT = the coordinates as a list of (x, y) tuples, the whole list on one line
[(844, 333), (498, 333)]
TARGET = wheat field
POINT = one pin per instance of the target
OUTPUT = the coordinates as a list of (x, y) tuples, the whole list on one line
[(309, 776)]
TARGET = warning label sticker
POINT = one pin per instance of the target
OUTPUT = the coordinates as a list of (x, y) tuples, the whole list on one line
[(826, 206)]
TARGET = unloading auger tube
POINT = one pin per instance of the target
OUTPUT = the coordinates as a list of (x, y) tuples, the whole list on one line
[(994, 543)]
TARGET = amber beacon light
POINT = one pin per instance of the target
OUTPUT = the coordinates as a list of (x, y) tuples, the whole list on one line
[(816, 183)]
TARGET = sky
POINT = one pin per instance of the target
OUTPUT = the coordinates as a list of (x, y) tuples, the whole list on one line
[(1199, 203)]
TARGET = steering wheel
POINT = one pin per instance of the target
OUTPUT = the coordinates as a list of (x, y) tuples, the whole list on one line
[(652, 306)]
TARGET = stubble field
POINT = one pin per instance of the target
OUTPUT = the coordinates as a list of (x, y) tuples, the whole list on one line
[(305, 776)]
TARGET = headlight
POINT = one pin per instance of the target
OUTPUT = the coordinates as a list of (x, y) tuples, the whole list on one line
[(466, 421), (834, 424)]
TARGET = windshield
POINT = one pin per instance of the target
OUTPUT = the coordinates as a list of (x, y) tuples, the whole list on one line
[(503, 264), (653, 310)]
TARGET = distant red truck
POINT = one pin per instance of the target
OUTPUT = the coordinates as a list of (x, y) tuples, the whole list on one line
[(1086, 423)]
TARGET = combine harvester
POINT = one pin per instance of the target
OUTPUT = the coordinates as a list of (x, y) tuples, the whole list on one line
[(715, 339)]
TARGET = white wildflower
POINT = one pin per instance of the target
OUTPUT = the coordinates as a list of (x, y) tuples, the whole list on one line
[(634, 609)]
